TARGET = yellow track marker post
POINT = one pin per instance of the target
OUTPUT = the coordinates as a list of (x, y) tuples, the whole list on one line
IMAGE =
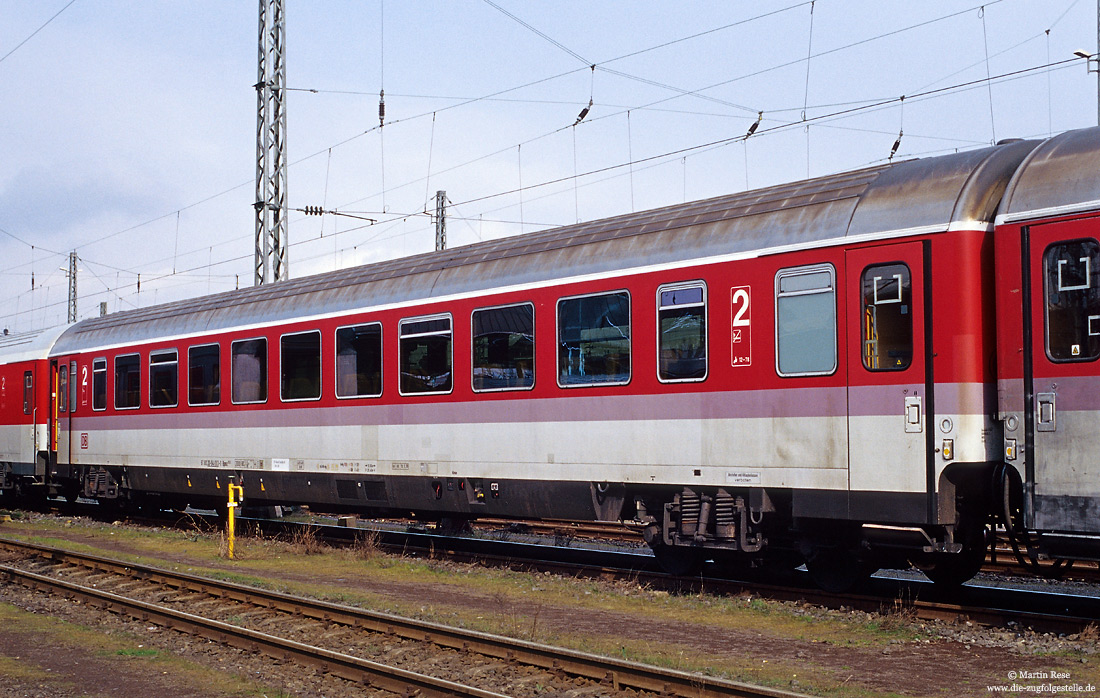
[(236, 497)]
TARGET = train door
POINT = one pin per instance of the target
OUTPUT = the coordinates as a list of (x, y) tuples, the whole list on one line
[(1061, 376), (890, 397)]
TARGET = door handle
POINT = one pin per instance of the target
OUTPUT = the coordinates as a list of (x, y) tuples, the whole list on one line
[(1046, 412), (913, 422)]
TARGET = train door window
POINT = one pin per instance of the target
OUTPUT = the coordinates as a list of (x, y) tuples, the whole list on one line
[(1072, 280), (682, 332), (163, 378), (28, 392), (300, 366), (359, 361), (425, 355), (62, 388), (72, 386), (249, 370), (504, 348), (887, 321), (805, 321), (204, 379), (594, 340), (99, 384), (127, 381)]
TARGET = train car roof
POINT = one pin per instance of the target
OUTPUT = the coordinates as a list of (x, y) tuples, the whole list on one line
[(28, 346), (1058, 177), (925, 195)]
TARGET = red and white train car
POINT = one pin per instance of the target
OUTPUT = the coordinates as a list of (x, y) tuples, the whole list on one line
[(818, 370)]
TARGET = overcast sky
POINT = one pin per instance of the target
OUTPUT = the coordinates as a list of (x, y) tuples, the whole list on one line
[(127, 129)]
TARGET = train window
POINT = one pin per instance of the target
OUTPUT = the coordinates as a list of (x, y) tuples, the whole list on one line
[(805, 321), (163, 378), (424, 355), (62, 388), (300, 366), (249, 370), (127, 381), (594, 340), (359, 361), (1072, 280), (72, 386), (682, 332), (28, 392), (99, 384), (204, 379), (887, 322), (504, 348)]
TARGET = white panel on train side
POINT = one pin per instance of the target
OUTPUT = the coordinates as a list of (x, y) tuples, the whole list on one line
[(769, 452)]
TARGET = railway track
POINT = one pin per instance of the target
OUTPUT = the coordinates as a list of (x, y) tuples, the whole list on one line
[(276, 624)]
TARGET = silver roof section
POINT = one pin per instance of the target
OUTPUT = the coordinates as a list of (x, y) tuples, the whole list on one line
[(1060, 176), (917, 195), (28, 346)]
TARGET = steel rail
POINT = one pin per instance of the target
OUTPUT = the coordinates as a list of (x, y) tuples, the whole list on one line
[(351, 668), (614, 672)]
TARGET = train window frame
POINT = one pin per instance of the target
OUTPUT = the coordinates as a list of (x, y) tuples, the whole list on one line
[(629, 339), (163, 363), (1091, 320), (282, 367), (264, 370), (905, 288), (780, 294), (190, 368), (99, 375), (119, 390), (72, 387), (62, 387), (473, 355), (401, 337), (705, 305), (381, 361)]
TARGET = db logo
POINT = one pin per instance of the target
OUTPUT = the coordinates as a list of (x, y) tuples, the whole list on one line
[(84, 439)]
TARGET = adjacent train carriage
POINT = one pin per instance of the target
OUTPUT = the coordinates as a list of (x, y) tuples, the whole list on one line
[(808, 371)]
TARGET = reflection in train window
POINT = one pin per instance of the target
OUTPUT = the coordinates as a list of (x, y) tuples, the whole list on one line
[(163, 378), (805, 321), (127, 382), (63, 388), (99, 384), (682, 332), (249, 370), (300, 366), (504, 348), (887, 321), (424, 354), (359, 361), (1071, 273), (594, 339), (204, 380)]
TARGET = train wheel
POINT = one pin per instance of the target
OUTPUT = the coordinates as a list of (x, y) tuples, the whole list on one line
[(678, 560), (453, 526), (837, 570)]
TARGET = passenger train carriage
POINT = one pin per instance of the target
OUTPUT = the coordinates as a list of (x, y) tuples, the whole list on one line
[(857, 370)]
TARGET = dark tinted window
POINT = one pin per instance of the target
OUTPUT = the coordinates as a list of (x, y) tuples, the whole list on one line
[(425, 355), (887, 321), (249, 370), (1072, 271), (682, 333), (300, 361), (63, 388), (359, 361), (99, 384), (504, 348), (28, 392), (163, 378), (127, 381), (204, 375), (594, 339)]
